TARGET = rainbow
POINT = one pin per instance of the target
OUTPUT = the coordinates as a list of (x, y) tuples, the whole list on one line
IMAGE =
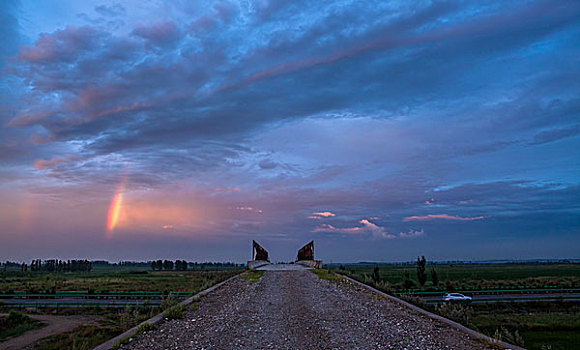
[(115, 206)]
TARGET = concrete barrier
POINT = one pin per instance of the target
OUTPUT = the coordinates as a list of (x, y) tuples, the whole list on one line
[(315, 264), (254, 264)]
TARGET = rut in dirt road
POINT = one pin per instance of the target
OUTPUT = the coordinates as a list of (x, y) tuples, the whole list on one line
[(297, 310)]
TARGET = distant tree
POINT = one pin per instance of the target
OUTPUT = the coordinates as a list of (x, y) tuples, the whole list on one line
[(168, 265), (342, 268), (408, 284), (421, 275), (434, 277), (376, 276)]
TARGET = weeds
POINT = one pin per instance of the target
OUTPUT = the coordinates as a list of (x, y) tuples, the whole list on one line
[(252, 276), (455, 311), (325, 274), (15, 324), (174, 312)]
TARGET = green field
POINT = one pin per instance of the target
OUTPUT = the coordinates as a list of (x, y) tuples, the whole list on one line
[(535, 325), (112, 281), (473, 276)]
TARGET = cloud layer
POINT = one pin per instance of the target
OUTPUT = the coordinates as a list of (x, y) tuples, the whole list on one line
[(344, 121)]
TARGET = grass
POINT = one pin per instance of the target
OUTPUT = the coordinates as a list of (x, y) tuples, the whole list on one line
[(174, 313), (252, 276), (81, 338), (540, 324), (325, 274), (16, 324), (113, 281)]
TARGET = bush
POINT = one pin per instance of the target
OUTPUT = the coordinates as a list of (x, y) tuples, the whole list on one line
[(145, 327), (168, 302), (174, 312), (456, 312)]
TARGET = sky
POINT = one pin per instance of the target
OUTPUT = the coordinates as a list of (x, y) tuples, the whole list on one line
[(137, 130)]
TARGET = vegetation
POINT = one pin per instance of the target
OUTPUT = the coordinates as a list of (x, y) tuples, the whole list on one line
[(113, 281), (81, 338), (252, 276), (474, 276), (14, 324), (535, 325), (174, 313), (421, 275), (326, 274)]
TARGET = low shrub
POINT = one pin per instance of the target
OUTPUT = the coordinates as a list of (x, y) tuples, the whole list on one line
[(174, 312)]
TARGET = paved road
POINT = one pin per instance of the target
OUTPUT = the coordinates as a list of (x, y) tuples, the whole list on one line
[(297, 310)]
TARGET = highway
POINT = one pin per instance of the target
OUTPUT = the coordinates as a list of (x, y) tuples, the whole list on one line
[(494, 298)]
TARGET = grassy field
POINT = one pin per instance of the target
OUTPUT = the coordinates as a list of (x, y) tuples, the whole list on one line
[(479, 276), (535, 325), (115, 281), (541, 325)]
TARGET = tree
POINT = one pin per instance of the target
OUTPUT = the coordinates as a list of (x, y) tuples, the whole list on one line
[(408, 284), (376, 275), (434, 277), (421, 275)]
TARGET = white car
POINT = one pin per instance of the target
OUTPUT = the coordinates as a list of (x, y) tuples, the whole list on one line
[(456, 297)]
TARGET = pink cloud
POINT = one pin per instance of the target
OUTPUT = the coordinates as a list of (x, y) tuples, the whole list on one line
[(330, 228), (441, 216), (325, 214), (228, 189)]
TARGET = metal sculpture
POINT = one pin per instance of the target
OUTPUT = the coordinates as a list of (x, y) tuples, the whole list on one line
[(306, 252), (259, 253)]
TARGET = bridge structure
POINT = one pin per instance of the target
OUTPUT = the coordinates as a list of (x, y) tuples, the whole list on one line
[(304, 259)]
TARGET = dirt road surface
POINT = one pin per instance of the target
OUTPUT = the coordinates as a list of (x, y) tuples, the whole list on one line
[(297, 310)]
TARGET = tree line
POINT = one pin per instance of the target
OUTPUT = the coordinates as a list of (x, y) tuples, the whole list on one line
[(54, 265)]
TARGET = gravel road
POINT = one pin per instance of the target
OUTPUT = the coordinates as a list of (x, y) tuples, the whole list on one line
[(297, 310)]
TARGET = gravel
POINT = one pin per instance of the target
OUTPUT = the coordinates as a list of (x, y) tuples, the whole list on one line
[(297, 310)]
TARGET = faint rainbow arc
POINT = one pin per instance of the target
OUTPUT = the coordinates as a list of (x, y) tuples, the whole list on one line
[(115, 207)]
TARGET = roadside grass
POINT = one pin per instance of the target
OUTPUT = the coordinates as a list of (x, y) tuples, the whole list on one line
[(15, 324), (252, 276), (145, 327), (174, 313), (81, 338), (325, 274)]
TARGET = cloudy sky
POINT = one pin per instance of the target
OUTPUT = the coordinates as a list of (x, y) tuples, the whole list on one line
[(382, 130)]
